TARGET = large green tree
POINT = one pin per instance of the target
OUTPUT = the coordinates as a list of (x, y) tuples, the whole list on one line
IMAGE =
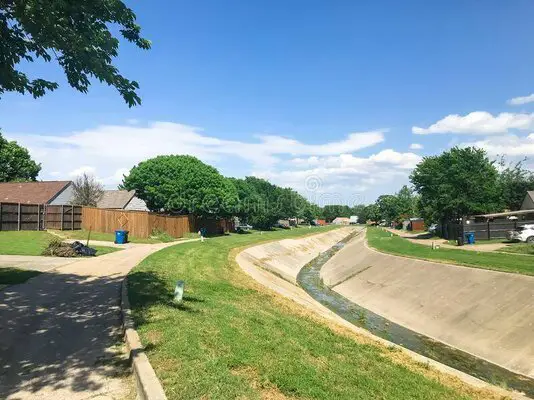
[(388, 207), (183, 185), (457, 183), (514, 182), (264, 211), (406, 203), (332, 211), (370, 212), (16, 163), (76, 34), (250, 201)]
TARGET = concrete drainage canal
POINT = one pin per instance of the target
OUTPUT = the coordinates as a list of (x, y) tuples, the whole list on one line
[(309, 279)]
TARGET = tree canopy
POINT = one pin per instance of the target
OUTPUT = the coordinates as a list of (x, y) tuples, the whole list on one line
[(262, 203), (332, 211), (182, 185), (74, 33), (16, 163), (459, 182), (514, 182)]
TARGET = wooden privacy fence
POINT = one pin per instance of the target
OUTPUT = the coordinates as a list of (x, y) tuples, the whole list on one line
[(482, 230), (142, 224), (34, 217)]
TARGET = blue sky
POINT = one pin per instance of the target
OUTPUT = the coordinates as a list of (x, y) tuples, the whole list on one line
[(276, 88)]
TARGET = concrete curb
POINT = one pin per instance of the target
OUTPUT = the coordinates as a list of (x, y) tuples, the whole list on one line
[(148, 385)]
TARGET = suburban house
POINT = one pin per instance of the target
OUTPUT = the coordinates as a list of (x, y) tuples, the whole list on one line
[(46, 192), (341, 221), (121, 200), (528, 203)]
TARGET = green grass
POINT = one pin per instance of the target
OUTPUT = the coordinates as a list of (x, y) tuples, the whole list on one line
[(229, 340), (81, 235), (519, 248), (24, 243), (32, 243), (13, 276), (383, 241)]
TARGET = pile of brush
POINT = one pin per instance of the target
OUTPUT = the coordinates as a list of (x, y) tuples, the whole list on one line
[(57, 248)]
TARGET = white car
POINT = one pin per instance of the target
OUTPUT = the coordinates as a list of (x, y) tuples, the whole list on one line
[(522, 234)]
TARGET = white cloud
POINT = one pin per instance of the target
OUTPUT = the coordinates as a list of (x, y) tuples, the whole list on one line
[(86, 169), (416, 146), (110, 151), (508, 145), (326, 180), (517, 101), (479, 122)]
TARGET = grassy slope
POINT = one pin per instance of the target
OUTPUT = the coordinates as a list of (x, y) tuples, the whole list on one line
[(228, 340), (519, 248), (383, 241)]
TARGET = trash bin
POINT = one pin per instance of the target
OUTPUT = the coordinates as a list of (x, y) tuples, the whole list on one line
[(470, 238), (121, 237), (460, 240)]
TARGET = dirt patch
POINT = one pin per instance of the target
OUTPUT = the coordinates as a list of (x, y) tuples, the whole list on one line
[(266, 389)]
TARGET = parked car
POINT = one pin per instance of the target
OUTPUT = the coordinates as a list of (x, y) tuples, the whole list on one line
[(243, 228), (281, 225), (522, 234)]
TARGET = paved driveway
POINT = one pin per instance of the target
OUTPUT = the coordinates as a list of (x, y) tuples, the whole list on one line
[(35, 263), (60, 332)]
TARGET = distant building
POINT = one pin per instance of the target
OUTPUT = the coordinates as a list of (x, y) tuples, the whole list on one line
[(528, 203), (416, 224), (45, 192), (353, 219), (121, 200), (341, 221)]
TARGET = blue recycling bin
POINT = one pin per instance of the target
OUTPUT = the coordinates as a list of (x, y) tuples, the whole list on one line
[(470, 238), (121, 237)]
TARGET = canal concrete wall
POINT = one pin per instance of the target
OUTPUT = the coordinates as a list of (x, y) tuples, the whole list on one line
[(486, 313), (285, 258)]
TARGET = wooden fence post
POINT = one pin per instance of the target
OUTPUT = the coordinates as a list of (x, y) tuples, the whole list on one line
[(62, 212), (38, 217), (489, 231), (72, 218), (18, 218)]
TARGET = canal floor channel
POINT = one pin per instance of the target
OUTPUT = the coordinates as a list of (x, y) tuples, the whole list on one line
[(309, 279)]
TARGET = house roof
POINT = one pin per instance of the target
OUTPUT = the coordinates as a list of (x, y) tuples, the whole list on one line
[(31, 192), (506, 214), (117, 199)]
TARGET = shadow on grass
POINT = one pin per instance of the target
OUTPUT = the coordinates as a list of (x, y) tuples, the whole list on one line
[(147, 289), (13, 276)]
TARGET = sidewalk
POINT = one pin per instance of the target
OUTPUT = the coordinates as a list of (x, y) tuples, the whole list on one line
[(60, 332), (35, 263)]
